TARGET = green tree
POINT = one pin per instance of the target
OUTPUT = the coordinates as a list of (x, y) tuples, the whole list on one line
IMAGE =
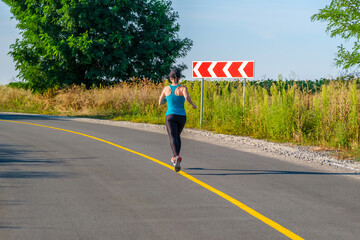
[(91, 42), (343, 17)]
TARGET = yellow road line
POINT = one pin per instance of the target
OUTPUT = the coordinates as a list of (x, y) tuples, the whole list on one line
[(242, 206)]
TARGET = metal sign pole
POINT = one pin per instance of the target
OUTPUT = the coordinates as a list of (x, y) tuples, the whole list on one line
[(202, 101), (244, 92)]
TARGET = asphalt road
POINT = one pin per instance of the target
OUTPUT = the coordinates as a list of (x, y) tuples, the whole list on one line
[(61, 185)]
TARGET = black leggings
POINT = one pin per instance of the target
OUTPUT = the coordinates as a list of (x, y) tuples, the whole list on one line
[(174, 126)]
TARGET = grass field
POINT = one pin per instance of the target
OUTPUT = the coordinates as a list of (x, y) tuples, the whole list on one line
[(322, 113)]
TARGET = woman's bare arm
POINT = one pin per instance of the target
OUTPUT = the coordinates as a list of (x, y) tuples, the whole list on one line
[(188, 98), (162, 98)]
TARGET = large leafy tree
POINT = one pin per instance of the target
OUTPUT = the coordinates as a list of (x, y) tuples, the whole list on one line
[(343, 17), (90, 41)]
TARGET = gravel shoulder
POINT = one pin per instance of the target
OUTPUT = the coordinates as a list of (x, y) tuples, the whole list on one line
[(300, 155)]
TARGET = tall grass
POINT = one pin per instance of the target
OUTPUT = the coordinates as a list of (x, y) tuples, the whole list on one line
[(325, 114), (19, 100)]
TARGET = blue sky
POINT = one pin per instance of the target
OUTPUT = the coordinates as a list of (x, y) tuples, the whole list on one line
[(278, 35)]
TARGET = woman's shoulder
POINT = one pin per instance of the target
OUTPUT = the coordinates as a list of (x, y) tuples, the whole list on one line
[(167, 90), (182, 88)]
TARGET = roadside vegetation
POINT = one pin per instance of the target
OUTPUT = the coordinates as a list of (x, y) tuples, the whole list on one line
[(323, 113)]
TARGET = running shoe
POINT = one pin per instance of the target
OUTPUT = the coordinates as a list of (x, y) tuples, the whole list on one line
[(173, 160), (177, 163)]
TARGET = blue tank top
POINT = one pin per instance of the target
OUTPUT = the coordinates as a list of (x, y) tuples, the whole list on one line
[(175, 103)]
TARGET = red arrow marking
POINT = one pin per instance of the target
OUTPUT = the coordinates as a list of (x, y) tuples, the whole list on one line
[(243, 69), (218, 69), (194, 74), (234, 69), (203, 69), (249, 69)]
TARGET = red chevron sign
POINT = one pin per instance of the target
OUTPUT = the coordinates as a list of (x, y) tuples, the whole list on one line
[(227, 69)]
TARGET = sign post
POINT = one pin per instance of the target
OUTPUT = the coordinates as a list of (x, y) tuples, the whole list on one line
[(244, 92), (202, 101), (222, 69)]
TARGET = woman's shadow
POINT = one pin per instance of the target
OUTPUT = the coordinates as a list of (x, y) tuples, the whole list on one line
[(227, 172)]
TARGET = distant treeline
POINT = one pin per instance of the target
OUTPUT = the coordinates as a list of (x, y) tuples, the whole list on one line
[(310, 86)]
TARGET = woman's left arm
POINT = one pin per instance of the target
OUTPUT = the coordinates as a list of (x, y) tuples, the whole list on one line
[(187, 97)]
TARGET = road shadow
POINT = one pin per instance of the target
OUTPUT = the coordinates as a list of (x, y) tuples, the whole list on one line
[(11, 202), (16, 162), (19, 167), (244, 172), (23, 117), (9, 227), (32, 174), (18, 155)]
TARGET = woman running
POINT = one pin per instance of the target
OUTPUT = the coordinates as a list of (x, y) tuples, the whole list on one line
[(175, 96)]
